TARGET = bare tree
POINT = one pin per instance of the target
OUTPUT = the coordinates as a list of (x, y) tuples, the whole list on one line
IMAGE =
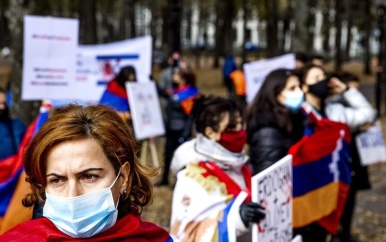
[(88, 30), (24, 110)]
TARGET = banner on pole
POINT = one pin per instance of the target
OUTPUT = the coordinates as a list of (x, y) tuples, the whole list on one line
[(272, 188), (255, 72), (145, 110), (49, 57)]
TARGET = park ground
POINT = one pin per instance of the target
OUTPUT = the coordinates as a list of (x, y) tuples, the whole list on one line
[(370, 214)]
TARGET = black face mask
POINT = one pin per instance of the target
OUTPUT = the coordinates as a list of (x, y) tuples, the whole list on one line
[(4, 114), (319, 89)]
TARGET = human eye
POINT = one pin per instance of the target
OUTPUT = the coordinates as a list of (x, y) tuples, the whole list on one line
[(89, 177), (55, 181)]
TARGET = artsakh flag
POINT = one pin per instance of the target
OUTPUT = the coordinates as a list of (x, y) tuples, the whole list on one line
[(115, 97), (321, 174), (186, 96), (13, 187)]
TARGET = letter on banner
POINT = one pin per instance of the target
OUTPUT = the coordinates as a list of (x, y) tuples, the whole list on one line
[(255, 72), (272, 188), (49, 57), (371, 146), (145, 110)]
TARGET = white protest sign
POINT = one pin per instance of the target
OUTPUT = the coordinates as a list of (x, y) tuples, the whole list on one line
[(371, 146), (272, 188), (145, 110), (255, 72), (49, 57), (98, 64)]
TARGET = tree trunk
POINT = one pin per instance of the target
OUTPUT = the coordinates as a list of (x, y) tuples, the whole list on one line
[(368, 20), (310, 26), (272, 28), (243, 50), (300, 36), (326, 29), (228, 28), (349, 17), (338, 36), (219, 44), (4, 29), (131, 12), (175, 10), (88, 22), (125, 8), (26, 111), (166, 29)]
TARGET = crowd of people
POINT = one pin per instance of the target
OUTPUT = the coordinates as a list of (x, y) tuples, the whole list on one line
[(86, 180)]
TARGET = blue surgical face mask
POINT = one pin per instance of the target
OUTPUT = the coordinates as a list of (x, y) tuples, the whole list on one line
[(293, 100), (83, 216)]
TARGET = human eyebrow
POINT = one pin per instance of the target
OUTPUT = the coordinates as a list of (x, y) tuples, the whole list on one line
[(88, 170), (54, 174)]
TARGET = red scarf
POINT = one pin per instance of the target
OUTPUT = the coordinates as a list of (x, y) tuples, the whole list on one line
[(128, 228)]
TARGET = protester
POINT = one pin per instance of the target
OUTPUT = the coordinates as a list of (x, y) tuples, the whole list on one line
[(11, 130), (275, 120), (115, 95), (360, 176), (239, 85), (335, 100), (211, 173), (178, 121), (83, 165), (228, 67), (317, 60)]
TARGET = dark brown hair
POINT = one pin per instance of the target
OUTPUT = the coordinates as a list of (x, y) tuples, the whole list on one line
[(113, 135)]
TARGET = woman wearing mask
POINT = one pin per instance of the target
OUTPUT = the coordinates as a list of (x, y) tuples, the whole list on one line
[(335, 100), (179, 106), (82, 164), (213, 168), (274, 121)]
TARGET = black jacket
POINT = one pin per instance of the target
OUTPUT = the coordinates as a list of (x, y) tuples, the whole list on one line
[(267, 145)]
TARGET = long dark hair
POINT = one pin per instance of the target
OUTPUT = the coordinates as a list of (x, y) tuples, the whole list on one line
[(266, 109)]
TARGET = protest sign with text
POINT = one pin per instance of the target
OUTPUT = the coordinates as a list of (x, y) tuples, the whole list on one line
[(49, 57), (145, 110), (371, 146), (272, 188), (255, 72), (98, 64)]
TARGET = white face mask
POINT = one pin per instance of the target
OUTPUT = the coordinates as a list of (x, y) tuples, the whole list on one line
[(83, 216)]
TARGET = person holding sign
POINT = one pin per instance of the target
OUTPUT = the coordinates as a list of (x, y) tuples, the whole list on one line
[(212, 175), (83, 160), (275, 121)]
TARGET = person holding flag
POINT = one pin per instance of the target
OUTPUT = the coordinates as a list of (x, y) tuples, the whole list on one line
[(321, 159), (180, 101)]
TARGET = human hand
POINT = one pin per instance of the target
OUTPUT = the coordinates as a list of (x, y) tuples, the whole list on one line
[(251, 213), (336, 86)]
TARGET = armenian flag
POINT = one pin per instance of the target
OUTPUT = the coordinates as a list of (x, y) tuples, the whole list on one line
[(13, 186), (115, 96), (321, 173)]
